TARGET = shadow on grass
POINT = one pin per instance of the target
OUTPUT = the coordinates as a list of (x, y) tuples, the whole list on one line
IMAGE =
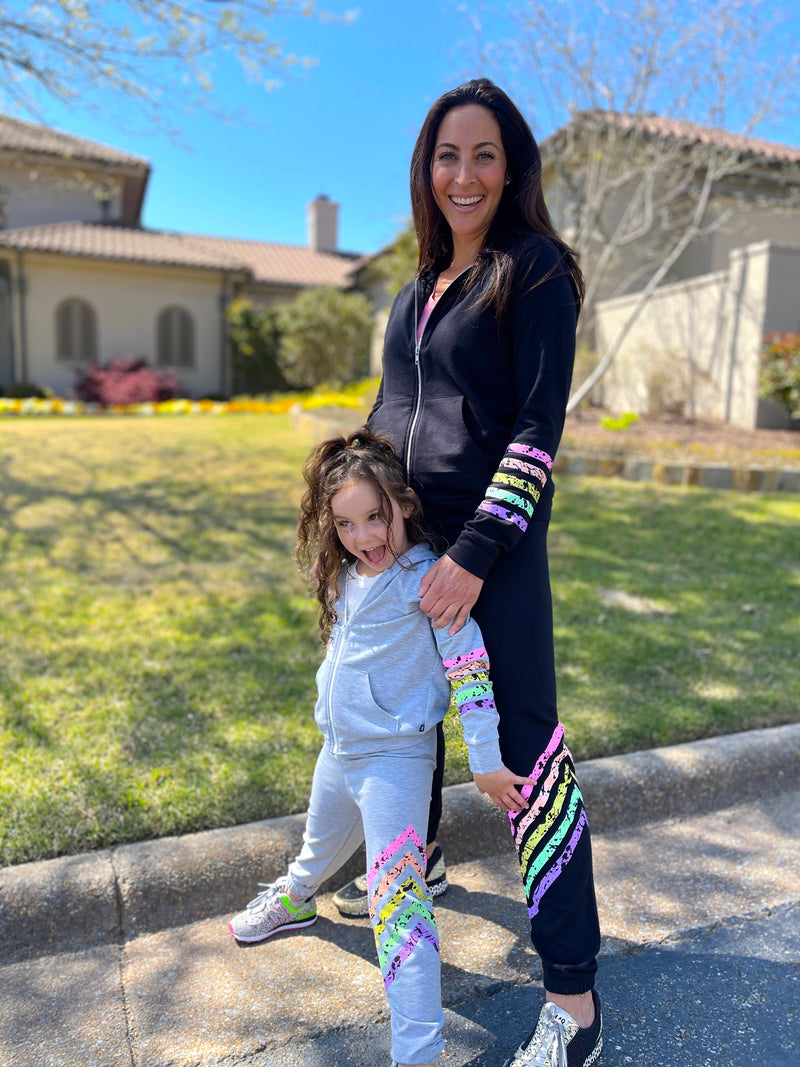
[(160, 653), (674, 613), (158, 675)]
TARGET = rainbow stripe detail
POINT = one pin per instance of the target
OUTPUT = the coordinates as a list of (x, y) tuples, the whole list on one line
[(466, 659), (534, 453), (547, 834), (503, 513), (400, 905), (517, 485), (469, 681), (527, 468), (516, 501)]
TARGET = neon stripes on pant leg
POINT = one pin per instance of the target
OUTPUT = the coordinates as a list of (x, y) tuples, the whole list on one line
[(400, 905), (547, 834)]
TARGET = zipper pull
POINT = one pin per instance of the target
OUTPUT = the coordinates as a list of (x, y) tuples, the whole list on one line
[(416, 354)]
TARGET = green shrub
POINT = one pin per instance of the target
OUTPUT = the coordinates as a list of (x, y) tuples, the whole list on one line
[(398, 263), (23, 390), (255, 342), (780, 371), (325, 337)]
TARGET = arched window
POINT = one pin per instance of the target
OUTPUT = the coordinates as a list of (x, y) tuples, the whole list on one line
[(175, 338), (76, 330)]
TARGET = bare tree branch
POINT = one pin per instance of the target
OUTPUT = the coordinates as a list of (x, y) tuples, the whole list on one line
[(630, 195), (680, 246), (92, 54)]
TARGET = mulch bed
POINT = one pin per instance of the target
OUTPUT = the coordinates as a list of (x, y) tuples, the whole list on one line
[(670, 437)]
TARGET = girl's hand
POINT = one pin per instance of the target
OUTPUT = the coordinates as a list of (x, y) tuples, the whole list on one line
[(498, 786), (448, 593)]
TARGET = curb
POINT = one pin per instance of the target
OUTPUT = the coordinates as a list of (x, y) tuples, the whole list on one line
[(111, 896)]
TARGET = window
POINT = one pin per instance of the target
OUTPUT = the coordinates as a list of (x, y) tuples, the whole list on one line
[(76, 330), (175, 338)]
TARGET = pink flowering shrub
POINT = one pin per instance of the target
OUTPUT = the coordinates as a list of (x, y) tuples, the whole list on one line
[(128, 380)]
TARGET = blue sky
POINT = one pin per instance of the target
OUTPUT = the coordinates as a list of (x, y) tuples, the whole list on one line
[(345, 128)]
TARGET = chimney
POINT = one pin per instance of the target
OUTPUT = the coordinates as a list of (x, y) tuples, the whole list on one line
[(323, 223)]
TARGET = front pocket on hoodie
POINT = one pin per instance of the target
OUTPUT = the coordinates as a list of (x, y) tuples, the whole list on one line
[(361, 723), (357, 715), (446, 459), (392, 420)]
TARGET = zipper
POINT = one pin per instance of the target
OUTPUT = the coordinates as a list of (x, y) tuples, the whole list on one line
[(340, 643), (417, 365), (418, 401)]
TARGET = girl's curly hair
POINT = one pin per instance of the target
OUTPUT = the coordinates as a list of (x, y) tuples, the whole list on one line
[(364, 455)]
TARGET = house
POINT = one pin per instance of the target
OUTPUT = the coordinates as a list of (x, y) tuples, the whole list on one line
[(81, 280), (714, 219)]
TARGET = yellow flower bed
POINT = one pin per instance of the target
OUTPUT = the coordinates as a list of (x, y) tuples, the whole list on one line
[(353, 396)]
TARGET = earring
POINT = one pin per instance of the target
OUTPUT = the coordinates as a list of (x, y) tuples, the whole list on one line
[(507, 181)]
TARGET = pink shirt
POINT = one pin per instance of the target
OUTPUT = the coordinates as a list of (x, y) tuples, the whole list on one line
[(423, 319)]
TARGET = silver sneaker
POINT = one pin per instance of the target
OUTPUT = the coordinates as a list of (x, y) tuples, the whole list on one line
[(270, 913), (558, 1041)]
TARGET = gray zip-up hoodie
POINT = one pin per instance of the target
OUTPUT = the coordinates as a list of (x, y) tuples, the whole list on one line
[(387, 673)]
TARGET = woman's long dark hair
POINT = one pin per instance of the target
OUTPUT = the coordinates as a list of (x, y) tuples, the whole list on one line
[(364, 455), (521, 210)]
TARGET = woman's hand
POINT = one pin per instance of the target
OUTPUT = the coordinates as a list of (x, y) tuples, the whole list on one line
[(448, 593), (498, 786)]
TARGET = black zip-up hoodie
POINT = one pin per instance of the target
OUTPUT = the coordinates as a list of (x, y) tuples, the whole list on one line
[(476, 410)]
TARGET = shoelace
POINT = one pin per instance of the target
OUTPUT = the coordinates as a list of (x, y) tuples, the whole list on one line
[(548, 1046), (269, 890)]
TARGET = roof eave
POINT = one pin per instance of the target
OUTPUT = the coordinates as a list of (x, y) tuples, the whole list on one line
[(219, 268)]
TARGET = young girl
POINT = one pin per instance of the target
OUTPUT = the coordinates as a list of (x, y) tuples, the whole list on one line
[(383, 686)]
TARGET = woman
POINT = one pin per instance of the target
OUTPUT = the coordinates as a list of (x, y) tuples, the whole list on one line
[(477, 368)]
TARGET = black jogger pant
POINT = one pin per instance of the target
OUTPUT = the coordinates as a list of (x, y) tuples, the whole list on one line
[(551, 838)]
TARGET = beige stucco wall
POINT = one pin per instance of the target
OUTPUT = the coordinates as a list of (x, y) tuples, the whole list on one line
[(738, 223), (729, 224), (127, 299), (757, 204), (33, 195), (269, 295), (695, 347), (652, 369)]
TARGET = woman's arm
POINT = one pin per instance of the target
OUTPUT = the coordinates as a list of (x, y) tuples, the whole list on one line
[(542, 320)]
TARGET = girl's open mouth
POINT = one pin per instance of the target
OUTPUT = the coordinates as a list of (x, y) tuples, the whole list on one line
[(375, 556)]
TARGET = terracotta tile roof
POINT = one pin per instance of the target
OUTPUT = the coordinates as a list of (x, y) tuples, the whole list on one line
[(285, 264), (264, 263), (20, 136), (692, 133)]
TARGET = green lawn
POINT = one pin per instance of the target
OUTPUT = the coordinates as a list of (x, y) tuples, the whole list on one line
[(158, 647)]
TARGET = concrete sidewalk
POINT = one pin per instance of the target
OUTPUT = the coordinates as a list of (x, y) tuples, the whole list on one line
[(122, 958)]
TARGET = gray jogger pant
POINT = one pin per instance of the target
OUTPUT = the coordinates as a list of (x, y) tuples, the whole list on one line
[(384, 801)]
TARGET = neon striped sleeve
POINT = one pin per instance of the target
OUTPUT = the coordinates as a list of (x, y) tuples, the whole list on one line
[(517, 484), (473, 694)]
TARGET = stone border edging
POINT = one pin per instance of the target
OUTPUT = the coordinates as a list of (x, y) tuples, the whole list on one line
[(703, 475), (319, 427), (76, 902)]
